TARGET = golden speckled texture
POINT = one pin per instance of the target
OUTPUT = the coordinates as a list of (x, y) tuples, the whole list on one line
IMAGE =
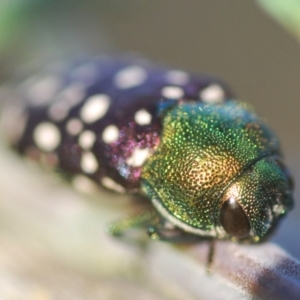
[(205, 149)]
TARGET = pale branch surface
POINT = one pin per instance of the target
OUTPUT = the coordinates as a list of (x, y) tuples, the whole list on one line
[(54, 246)]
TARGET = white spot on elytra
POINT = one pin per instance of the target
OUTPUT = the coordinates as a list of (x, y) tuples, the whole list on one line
[(172, 92), (110, 134), (13, 122), (88, 162), (58, 111), (44, 90), (72, 94), (65, 100), (46, 136), (84, 185), (87, 139), (138, 157), (112, 185), (130, 77), (95, 108), (177, 77), (213, 94), (86, 73), (143, 117), (74, 126)]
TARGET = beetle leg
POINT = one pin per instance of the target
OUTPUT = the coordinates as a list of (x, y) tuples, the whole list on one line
[(210, 257), (163, 232), (125, 226), (157, 228)]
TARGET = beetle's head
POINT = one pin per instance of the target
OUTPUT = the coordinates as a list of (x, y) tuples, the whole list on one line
[(255, 201)]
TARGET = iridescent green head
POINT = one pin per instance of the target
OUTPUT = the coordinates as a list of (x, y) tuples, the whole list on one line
[(217, 172)]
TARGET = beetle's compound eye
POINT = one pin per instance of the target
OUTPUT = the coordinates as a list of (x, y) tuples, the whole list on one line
[(234, 220)]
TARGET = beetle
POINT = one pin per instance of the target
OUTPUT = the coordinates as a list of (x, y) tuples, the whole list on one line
[(206, 164)]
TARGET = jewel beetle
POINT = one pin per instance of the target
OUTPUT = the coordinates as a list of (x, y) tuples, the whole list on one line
[(206, 164)]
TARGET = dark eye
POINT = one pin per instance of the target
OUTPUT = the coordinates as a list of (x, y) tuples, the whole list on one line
[(234, 220)]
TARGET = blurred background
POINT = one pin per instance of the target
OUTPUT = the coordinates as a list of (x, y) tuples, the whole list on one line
[(235, 40)]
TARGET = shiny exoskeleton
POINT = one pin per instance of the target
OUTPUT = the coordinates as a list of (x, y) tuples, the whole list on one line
[(208, 165)]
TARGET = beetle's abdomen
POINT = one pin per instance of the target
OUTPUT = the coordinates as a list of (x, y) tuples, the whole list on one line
[(101, 118)]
